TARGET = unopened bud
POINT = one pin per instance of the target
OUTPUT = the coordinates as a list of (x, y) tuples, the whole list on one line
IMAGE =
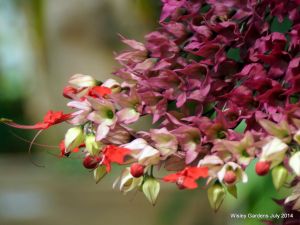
[(294, 163), (82, 81), (137, 170), (216, 195), (92, 145), (262, 168), (73, 138), (91, 162), (274, 151), (230, 177), (151, 189), (279, 175)]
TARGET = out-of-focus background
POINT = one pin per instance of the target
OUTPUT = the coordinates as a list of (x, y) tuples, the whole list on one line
[(44, 42)]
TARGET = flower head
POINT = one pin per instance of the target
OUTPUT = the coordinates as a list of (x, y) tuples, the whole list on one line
[(187, 177)]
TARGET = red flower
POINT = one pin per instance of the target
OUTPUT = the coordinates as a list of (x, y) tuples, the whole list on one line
[(187, 177), (50, 119), (99, 91), (114, 154)]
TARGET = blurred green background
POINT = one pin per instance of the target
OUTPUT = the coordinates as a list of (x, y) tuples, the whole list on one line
[(44, 42)]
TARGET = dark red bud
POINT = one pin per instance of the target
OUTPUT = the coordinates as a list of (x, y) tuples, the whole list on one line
[(90, 162), (137, 170), (230, 177), (262, 168)]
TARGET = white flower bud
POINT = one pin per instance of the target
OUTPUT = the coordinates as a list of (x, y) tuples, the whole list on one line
[(82, 81), (73, 138), (294, 163), (113, 85), (127, 182), (274, 151)]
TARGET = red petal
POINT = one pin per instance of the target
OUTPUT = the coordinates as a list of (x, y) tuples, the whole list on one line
[(106, 163), (55, 117), (115, 154), (197, 172), (99, 91), (189, 183), (171, 177), (51, 117), (62, 145), (69, 92), (75, 150)]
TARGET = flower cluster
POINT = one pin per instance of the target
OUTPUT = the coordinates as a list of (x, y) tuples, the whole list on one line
[(211, 68)]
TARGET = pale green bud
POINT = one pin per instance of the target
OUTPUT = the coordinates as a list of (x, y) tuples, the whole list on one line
[(216, 194), (279, 175), (82, 81), (92, 146), (151, 189)]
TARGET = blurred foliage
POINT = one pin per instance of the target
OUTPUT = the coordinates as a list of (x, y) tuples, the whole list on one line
[(150, 10)]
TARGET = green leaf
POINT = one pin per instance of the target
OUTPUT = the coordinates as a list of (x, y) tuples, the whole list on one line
[(283, 27), (241, 127), (234, 53)]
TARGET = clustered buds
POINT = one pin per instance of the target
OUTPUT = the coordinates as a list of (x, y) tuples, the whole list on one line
[(222, 89)]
